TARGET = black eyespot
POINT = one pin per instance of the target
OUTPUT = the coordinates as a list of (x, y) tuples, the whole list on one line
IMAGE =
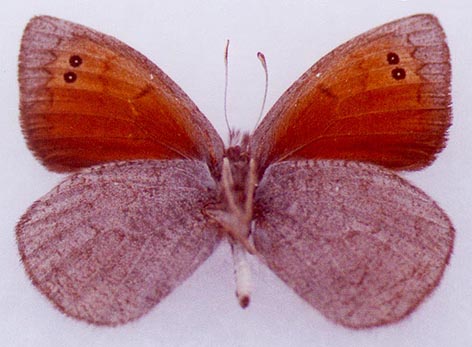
[(70, 77), (399, 73), (75, 61), (393, 58)]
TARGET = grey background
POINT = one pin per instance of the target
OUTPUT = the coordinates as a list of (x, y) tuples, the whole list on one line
[(186, 39)]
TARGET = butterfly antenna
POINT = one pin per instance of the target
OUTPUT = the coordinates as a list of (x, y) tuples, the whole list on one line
[(262, 59), (226, 86)]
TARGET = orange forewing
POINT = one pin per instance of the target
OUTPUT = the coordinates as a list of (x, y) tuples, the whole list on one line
[(383, 97), (87, 98)]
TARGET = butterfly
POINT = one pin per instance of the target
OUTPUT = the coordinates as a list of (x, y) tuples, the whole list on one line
[(313, 191)]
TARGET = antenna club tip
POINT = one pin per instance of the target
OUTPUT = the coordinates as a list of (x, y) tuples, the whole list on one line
[(262, 59), (226, 51)]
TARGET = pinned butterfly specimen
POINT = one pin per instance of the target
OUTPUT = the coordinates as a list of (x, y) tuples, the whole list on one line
[(313, 192)]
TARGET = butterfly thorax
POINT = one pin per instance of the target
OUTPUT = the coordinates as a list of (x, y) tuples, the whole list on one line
[(238, 159), (236, 189)]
